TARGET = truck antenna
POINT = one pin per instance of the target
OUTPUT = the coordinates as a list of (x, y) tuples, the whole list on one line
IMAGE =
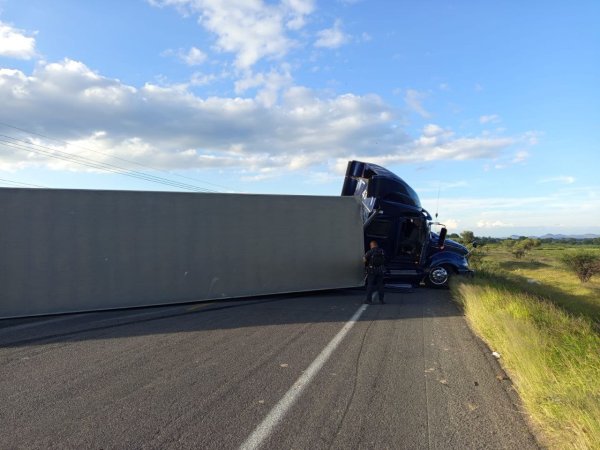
[(437, 206)]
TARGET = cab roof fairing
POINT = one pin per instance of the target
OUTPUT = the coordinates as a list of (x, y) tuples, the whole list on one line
[(378, 187)]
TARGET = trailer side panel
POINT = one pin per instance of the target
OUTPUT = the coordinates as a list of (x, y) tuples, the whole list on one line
[(77, 250)]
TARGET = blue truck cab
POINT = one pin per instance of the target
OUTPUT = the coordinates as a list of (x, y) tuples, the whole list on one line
[(393, 216)]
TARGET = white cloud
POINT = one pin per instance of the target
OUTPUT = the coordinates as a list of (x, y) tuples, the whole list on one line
[(365, 37), (298, 11), (533, 137), (332, 37), (431, 130), (202, 79), (505, 161), (451, 224), (516, 213), (193, 57), (493, 224), (563, 179), (252, 30), (15, 43), (269, 84), (290, 128), (414, 100), (520, 157), (492, 118)]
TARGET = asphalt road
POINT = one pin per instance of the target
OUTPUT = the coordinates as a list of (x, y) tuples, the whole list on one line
[(408, 374)]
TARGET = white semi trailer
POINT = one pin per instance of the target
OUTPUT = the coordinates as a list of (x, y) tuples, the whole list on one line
[(83, 250)]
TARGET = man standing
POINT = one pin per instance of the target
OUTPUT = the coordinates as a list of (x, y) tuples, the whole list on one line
[(375, 265)]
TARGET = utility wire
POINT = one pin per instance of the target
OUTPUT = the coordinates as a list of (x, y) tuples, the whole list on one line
[(65, 156), (23, 184), (57, 154), (96, 165), (111, 156)]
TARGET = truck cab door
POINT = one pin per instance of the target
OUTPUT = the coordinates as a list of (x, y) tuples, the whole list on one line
[(381, 229), (411, 236)]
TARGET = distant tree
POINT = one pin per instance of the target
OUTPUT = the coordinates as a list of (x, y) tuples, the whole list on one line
[(509, 243), (483, 240), (584, 263), (529, 243), (518, 250), (467, 237), (453, 236)]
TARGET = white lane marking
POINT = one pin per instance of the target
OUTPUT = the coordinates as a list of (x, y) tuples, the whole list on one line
[(266, 427)]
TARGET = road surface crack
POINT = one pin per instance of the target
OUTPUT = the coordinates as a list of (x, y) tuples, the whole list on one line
[(426, 384), (354, 384)]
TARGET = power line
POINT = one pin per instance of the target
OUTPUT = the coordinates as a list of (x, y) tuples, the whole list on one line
[(97, 165), (12, 142), (111, 156), (23, 184)]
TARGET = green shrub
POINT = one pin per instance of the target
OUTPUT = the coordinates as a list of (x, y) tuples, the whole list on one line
[(467, 237), (476, 256), (518, 250), (583, 263)]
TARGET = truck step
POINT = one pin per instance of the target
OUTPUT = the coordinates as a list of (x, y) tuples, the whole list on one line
[(401, 286), (405, 272)]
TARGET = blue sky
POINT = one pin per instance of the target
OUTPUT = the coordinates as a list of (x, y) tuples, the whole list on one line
[(492, 104)]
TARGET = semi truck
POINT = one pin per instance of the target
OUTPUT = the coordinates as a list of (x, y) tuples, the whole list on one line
[(393, 216), (84, 250)]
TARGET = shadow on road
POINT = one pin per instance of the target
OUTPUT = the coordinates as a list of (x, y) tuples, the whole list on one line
[(330, 306)]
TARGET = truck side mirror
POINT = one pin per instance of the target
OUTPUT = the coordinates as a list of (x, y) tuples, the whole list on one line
[(442, 238)]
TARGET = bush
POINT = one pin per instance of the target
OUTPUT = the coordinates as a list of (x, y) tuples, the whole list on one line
[(583, 263), (467, 237), (522, 247), (518, 250), (476, 256)]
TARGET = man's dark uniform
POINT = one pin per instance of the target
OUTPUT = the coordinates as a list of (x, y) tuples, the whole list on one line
[(374, 275)]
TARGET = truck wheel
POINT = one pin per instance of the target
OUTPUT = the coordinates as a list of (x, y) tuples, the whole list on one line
[(439, 276)]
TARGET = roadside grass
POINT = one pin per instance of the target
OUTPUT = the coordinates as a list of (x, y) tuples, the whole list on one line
[(541, 273), (548, 337)]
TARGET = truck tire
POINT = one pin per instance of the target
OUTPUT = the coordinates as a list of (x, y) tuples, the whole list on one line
[(439, 276)]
